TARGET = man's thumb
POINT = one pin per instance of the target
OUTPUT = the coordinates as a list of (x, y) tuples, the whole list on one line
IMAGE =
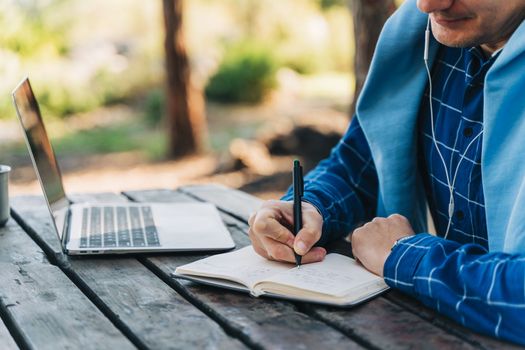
[(305, 240)]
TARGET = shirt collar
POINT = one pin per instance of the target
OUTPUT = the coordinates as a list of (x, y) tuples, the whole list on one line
[(477, 64)]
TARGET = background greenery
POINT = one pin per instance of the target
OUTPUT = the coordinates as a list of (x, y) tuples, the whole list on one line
[(245, 74), (84, 56)]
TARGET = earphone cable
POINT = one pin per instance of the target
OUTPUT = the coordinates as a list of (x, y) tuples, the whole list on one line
[(450, 183)]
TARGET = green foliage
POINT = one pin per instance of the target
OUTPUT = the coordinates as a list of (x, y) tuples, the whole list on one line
[(78, 62), (154, 106), (300, 62), (30, 33), (246, 74), (63, 98), (308, 36), (83, 55), (59, 100), (326, 4), (6, 108)]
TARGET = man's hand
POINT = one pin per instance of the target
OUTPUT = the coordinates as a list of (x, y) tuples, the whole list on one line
[(271, 232), (372, 243)]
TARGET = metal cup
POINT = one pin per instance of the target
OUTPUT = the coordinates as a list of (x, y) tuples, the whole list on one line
[(4, 195)]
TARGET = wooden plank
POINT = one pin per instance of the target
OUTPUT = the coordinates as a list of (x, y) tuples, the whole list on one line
[(170, 196), (146, 309), (261, 323), (482, 341), (237, 203), (152, 310), (385, 325), (6, 340), (47, 239), (44, 309), (440, 332)]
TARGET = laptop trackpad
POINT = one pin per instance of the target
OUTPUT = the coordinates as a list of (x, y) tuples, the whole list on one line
[(191, 226)]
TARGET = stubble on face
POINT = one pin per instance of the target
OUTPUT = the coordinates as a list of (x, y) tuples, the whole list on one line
[(485, 23)]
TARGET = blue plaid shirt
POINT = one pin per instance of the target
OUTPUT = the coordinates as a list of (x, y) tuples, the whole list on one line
[(456, 276)]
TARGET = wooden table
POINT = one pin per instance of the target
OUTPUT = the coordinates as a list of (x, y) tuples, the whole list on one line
[(51, 301)]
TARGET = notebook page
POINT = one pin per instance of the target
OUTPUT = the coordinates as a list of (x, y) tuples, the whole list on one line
[(336, 275), (244, 266)]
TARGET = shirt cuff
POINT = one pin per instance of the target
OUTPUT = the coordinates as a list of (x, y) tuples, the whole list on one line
[(401, 265)]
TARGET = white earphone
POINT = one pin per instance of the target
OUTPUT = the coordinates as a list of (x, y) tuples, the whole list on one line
[(450, 184)]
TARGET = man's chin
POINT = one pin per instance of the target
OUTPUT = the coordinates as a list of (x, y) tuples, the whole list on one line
[(452, 40)]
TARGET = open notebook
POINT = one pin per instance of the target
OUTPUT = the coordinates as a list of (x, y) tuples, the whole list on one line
[(337, 280)]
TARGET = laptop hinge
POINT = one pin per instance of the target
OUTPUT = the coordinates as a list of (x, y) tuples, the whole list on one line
[(66, 230)]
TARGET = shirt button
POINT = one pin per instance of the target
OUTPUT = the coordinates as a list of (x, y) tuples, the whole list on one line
[(467, 132), (460, 215)]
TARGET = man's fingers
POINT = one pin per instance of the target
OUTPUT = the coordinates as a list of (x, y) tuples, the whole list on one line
[(314, 255), (266, 224), (278, 251), (311, 231), (305, 240), (257, 244), (271, 232), (252, 218)]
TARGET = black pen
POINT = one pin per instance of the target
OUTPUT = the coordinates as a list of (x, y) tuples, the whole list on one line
[(298, 189)]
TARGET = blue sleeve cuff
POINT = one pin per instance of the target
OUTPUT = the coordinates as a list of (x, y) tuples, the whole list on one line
[(401, 265), (288, 196)]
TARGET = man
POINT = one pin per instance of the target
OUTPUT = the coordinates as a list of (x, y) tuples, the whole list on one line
[(452, 137)]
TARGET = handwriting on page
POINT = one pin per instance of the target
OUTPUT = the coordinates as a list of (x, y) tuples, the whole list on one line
[(243, 264), (336, 275)]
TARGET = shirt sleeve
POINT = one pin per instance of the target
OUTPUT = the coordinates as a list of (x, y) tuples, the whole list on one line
[(481, 290), (344, 186)]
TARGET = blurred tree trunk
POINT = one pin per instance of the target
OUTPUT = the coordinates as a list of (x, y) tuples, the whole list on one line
[(369, 17), (184, 104)]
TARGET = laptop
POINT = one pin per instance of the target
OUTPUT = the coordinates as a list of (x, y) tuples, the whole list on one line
[(114, 228)]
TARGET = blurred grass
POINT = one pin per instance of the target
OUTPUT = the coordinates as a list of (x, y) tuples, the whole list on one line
[(116, 138), (129, 137), (124, 137), (121, 137), (220, 140)]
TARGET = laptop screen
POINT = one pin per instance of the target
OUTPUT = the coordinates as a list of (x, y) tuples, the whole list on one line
[(41, 151)]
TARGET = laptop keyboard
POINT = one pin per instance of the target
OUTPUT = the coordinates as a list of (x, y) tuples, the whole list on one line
[(118, 226)]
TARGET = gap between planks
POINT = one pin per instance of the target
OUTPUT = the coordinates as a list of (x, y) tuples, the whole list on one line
[(13, 327), (61, 262), (219, 319)]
